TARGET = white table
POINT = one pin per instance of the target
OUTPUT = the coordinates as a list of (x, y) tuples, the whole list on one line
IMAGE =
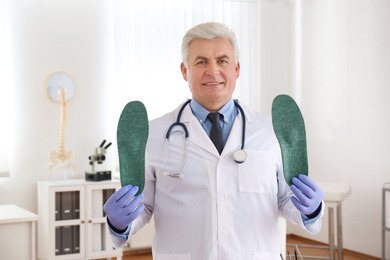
[(334, 195), (11, 214)]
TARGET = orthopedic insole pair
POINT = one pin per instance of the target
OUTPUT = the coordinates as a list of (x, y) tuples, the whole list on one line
[(133, 130)]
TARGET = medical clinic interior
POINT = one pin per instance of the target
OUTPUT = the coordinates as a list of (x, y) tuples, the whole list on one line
[(68, 68)]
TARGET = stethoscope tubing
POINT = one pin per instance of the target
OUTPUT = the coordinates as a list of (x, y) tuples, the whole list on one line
[(243, 124), (241, 153), (178, 123)]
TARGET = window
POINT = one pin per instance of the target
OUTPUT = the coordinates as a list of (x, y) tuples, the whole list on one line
[(148, 40)]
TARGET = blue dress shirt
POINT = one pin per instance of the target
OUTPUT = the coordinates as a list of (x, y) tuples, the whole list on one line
[(228, 112)]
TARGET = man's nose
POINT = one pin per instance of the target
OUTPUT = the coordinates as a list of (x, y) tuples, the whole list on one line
[(212, 69)]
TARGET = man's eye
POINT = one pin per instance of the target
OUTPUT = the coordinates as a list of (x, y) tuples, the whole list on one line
[(223, 61), (201, 63)]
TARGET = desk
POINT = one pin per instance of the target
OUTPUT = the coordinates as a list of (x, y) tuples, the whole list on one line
[(12, 214)]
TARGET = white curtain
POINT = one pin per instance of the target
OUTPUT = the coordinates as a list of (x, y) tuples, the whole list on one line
[(147, 45), (5, 92)]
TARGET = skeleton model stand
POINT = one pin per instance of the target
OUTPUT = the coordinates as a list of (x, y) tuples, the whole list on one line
[(98, 157), (61, 158)]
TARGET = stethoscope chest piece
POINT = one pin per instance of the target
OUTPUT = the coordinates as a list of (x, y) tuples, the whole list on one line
[(239, 156)]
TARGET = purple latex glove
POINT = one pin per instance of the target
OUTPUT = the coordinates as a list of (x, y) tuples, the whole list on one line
[(122, 208), (308, 194)]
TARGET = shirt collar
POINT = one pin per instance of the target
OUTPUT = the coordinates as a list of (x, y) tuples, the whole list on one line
[(201, 113)]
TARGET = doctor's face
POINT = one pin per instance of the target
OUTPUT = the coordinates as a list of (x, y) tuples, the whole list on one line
[(211, 72)]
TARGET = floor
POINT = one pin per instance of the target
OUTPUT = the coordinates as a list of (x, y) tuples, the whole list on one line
[(291, 239), (322, 252)]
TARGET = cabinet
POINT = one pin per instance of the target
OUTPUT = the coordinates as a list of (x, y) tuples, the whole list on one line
[(71, 220)]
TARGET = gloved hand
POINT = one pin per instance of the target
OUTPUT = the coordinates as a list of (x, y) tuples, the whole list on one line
[(308, 194), (122, 208)]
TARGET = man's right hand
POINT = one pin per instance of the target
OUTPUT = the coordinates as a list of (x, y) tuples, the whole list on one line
[(122, 208)]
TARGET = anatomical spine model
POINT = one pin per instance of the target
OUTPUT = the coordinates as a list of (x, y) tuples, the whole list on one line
[(61, 158)]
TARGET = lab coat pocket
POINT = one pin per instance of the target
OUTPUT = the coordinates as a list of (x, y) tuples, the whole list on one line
[(173, 257), (266, 256), (255, 174)]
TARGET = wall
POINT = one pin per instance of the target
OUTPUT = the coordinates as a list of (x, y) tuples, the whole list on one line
[(344, 99), (277, 50), (49, 36)]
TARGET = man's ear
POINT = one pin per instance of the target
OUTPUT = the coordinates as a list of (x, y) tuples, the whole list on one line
[(183, 71), (238, 70)]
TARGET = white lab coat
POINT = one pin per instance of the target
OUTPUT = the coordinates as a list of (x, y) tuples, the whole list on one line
[(221, 209)]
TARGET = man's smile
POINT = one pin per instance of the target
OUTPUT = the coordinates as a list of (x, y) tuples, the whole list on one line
[(212, 83)]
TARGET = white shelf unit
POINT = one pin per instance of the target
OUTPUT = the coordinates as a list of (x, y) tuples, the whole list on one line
[(71, 220)]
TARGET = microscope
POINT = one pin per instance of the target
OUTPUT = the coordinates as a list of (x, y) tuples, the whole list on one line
[(99, 158)]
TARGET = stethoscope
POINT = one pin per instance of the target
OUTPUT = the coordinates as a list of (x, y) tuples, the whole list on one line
[(239, 155)]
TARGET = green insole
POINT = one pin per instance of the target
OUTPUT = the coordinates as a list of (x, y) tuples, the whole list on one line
[(132, 134), (289, 128)]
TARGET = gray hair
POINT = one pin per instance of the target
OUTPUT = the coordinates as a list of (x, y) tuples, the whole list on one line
[(208, 31)]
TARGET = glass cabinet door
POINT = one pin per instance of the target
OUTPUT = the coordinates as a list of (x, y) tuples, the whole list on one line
[(67, 240), (67, 205), (99, 241), (68, 222)]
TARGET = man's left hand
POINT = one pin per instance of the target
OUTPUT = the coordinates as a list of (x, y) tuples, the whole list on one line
[(308, 194)]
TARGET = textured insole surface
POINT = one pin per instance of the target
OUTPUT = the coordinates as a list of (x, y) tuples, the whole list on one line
[(289, 128), (132, 134)]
